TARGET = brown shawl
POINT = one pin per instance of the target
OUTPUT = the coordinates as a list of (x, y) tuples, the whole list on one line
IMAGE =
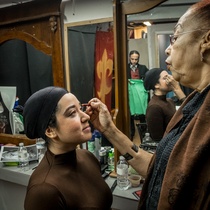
[(186, 184)]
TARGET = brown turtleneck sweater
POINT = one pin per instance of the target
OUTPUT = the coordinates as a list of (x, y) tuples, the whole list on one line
[(159, 112), (68, 181)]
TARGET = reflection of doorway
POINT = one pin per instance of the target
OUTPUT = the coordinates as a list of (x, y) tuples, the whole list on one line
[(163, 43), (153, 33)]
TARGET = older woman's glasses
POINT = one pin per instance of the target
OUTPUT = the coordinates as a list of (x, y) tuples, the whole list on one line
[(173, 38)]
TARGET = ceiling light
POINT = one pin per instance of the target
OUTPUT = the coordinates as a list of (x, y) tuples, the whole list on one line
[(147, 23)]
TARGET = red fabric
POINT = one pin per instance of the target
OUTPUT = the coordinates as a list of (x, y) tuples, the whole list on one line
[(135, 74), (104, 53)]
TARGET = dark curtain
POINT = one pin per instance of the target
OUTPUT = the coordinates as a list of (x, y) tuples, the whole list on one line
[(23, 66), (40, 69), (81, 46)]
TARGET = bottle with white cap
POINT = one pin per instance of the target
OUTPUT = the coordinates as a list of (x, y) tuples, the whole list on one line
[(23, 157), (122, 174), (147, 138)]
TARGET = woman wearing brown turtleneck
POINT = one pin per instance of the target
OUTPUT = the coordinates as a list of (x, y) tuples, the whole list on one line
[(160, 109), (67, 178)]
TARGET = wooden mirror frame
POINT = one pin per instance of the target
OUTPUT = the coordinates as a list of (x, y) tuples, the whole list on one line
[(122, 8), (39, 24)]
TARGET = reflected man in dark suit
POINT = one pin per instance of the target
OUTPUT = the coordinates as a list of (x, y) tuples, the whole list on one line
[(136, 71)]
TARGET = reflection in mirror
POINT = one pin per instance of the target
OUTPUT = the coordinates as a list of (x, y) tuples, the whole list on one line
[(86, 47), (151, 25), (90, 56), (151, 42), (25, 67)]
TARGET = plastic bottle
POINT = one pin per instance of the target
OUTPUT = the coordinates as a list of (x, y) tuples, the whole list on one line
[(23, 157), (16, 102), (97, 143), (91, 144), (111, 161), (147, 138), (122, 174), (102, 156), (41, 148)]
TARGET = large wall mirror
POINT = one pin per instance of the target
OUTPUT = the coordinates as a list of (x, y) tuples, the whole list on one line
[(85, 44), (148, 33), (132, 34), (123, 9)]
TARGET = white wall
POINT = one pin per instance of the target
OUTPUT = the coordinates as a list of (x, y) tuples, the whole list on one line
[(153, 32), (168, 10)]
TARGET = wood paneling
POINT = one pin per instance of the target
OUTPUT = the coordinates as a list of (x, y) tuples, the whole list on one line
[(39, 24)]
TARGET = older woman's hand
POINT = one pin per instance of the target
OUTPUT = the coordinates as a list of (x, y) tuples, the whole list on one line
[(170, 81), (99, 115)]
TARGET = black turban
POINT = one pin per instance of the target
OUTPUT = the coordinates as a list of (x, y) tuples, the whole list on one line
[(38, 110), (151, 78)]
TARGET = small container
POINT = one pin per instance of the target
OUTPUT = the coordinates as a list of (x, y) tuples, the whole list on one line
[(134, 180), (147, 138), (107, 148)]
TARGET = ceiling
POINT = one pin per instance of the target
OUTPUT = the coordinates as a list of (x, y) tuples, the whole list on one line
[(167, 12), (7, 3)]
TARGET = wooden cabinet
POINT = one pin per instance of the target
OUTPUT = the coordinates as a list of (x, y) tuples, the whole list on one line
[(39, 24)]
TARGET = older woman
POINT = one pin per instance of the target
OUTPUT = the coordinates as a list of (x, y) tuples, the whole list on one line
[(178, 174), (66, 178)]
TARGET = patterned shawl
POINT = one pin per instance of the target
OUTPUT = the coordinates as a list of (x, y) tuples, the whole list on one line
[(186, 183)]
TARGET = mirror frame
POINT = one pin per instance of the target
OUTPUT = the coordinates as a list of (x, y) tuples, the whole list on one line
[(39, 24), (122, 8)]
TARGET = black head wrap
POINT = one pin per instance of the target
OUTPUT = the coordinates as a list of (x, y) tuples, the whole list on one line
[(38, 110), (151, 78)]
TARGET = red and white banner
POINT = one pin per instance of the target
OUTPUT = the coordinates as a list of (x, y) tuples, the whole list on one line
[(104, 53)]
